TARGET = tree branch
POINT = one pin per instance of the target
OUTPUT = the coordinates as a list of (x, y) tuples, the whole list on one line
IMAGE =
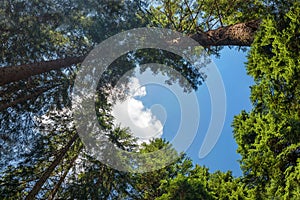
[(241, 34), (38, 185), (62, 178), (28, 97)]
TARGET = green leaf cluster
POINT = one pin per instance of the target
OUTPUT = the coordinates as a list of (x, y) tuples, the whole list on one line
[(268, 137)]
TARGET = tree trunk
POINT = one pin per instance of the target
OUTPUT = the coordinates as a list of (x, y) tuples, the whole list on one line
[(25, 98), (38, 185), (62, 178), (241, 34), (20, 72)]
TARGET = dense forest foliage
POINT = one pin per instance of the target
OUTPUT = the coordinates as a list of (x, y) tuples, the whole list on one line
[(43, 43)]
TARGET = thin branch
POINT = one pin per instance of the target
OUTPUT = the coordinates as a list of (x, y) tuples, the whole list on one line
[(38, 185), (28, 97), (169, 15), (62, 178), (219, 15)]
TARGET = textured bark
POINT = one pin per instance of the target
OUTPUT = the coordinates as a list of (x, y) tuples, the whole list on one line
[(62, 178), (241, 34), (20, 72), (38, 185)]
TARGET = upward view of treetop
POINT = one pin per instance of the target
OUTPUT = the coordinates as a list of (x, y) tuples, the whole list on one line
[(44, 42)]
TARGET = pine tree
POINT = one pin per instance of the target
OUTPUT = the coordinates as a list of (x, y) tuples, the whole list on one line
[(268, 137)]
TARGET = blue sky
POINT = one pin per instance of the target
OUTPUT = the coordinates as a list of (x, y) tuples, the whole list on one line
[(156, 111), (223, 157)]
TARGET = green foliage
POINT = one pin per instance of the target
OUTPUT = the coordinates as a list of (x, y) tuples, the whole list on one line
[(33, 31), (198, 183), (201, 15), (191, 186), (147, 185), (269, 136)]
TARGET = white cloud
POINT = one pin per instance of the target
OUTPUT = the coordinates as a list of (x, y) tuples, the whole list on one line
[(135, 89), (133, 114)]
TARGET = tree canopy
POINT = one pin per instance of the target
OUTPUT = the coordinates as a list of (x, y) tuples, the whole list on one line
[(43, 43)]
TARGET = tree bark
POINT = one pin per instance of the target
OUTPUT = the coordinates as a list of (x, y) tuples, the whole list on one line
[(25, 98), (20, 72), (38, 185), (241, 34), (62, 178)]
